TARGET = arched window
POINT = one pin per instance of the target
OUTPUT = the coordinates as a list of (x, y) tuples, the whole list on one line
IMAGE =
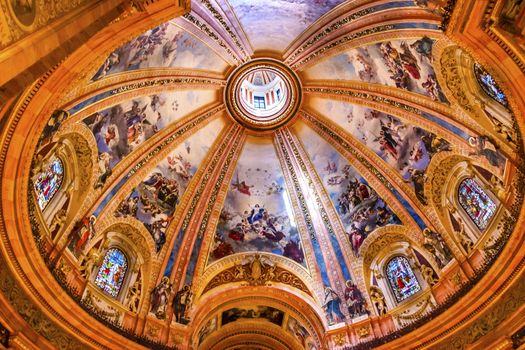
[(489, 85), (48, 182), (112, 272), (478, 205), (401, 278)]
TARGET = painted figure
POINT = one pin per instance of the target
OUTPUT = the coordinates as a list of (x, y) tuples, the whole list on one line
[(160, 297), (354, 300), (181, 302), (435, 244), (332, 306)]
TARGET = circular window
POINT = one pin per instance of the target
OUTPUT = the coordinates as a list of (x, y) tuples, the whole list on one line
[(263, 94)]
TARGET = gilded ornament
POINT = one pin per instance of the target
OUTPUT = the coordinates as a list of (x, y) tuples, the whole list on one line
[(153, 330), (363, 332), (456, 278), (330, 29), (339, 339), (214, 36), (428, 275), (256, 271), (339, 42), (226, 27)]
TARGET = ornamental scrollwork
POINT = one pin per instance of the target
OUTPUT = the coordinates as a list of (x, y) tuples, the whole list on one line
[(256, 271), (454, 81)]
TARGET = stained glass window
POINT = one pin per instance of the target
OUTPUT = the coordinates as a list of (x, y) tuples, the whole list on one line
[(478, 205), (489, 85), (48, 182), (401, 278), (112, 271)]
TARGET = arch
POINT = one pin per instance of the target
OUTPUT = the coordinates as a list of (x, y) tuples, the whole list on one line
[(112, 271), (401, 278), (470, 87), (476, 203), (306, 312), (137, 246)]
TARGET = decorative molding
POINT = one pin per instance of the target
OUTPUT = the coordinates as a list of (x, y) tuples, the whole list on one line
[(341, 41), (327, 30), (257, 272), (199, 23), (215, 13)]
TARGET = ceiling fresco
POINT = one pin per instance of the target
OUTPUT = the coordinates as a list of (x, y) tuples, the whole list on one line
[(164, 46), (257, 214), (154, 201), (273, 25), (403, 64), (353, 179)]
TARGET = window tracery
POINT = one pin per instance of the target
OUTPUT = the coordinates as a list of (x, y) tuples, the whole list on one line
[(401, 278), (48, 182), (112, 272), (476, 203)]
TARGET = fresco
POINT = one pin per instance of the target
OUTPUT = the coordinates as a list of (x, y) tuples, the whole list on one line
[(274, 24), (404, 64), (257, 214), (164, 46), (406, 148), (267, 313), (359, 206), (300, 333), (154, 201), (207, 329), (120, 129)]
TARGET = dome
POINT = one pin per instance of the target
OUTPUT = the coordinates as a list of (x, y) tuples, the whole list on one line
[(266, 175)]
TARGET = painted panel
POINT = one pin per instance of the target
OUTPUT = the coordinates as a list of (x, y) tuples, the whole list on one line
[(404, 64), (274, 24), (263, 313), (360, 208), (300, 333), (120, 129), (257, 214), (207, 329), (155, 199), (164, 46), (406, 148)]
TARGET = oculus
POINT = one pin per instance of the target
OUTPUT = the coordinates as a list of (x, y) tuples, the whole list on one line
[(263, 94)]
